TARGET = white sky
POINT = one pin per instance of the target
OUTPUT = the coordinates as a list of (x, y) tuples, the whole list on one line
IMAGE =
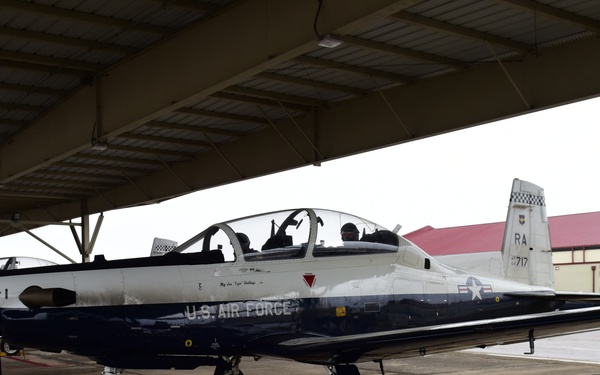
[(460, 178)]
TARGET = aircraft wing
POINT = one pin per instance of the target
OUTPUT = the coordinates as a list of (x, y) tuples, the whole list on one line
[(431, 339), (552, 295)]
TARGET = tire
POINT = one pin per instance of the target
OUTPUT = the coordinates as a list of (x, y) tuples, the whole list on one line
[(8, 349)]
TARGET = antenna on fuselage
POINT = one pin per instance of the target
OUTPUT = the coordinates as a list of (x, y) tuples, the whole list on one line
[(397, 228)]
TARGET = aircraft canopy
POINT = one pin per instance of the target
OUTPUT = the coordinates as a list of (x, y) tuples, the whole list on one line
[(293, 234)]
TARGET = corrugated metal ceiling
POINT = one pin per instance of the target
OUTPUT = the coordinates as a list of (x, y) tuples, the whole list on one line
[(49, 49)]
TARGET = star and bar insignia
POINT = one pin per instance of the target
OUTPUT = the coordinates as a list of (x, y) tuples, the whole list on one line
[(474, 288)]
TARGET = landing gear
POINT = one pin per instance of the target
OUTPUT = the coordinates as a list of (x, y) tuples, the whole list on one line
[(112, 371), (343, 370), (229, 366), (8, 349), (349, 369)]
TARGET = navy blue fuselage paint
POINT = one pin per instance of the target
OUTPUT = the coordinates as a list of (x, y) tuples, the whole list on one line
[(219, 328)]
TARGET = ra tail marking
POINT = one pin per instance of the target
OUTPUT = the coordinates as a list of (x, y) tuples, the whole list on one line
[(526, 251)]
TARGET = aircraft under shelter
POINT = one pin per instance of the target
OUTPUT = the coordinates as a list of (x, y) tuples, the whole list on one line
[(102, 102), (315, 286)]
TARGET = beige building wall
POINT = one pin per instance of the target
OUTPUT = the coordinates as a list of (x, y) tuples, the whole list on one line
[(577, 271)]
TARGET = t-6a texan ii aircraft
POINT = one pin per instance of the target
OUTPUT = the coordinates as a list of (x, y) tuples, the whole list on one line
[(315, 286)]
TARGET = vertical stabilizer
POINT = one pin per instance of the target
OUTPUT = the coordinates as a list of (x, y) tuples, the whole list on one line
[(526, 251), (161, 246)]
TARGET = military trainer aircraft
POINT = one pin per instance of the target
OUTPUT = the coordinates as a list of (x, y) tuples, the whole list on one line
[(316, 286)]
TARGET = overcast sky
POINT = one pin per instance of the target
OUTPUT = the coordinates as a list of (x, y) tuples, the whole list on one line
[(460, 178)]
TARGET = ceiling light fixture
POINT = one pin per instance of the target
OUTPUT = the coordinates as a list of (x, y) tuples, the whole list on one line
[(99, 145), (327, 40)]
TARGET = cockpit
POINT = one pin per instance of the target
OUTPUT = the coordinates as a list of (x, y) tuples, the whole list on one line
[(13, 263), (292, 234)]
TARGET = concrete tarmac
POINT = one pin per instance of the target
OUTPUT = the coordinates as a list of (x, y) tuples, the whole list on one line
[(575, 354)]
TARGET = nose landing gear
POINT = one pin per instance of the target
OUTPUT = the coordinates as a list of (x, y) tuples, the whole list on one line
[(229, 366)]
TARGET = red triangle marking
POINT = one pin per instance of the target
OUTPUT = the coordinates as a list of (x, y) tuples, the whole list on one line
[(309, 279)]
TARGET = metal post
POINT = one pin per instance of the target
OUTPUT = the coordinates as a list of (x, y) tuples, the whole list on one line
[(85, 237)]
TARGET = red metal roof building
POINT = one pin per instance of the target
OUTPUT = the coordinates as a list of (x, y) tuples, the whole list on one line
[(568, 232), (575, 241)]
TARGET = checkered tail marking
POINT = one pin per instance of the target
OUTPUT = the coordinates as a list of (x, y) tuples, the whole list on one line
[(527, 198)]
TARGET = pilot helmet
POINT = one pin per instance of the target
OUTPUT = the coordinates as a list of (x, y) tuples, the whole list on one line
[(349, 232), (244, 240)]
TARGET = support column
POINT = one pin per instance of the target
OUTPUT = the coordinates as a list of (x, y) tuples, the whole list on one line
[(84, 244), (85, 234)]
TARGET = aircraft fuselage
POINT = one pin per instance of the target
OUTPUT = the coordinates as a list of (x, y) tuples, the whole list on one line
[(218, 309)]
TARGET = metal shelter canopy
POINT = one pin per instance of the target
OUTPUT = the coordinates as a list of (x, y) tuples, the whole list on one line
[(111, 103)]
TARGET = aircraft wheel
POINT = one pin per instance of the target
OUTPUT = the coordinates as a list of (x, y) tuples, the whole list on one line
[(224, 371), (8, 349), (221, 371), (229, 367)]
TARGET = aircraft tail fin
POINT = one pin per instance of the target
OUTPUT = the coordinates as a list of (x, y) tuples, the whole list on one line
[(161, 246), (526, 250)]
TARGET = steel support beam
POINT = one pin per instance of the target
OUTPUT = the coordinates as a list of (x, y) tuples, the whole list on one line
[(552, 78), (174, 74)]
